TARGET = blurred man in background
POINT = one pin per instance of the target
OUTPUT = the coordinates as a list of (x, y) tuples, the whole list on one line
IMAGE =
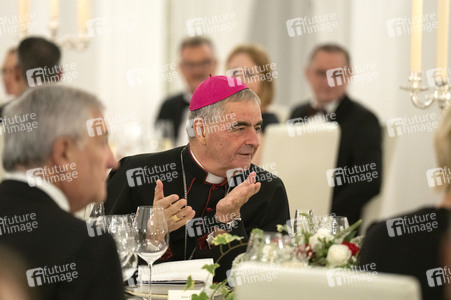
[(38, 62), (9, 75), (197, 62), (360, 143)]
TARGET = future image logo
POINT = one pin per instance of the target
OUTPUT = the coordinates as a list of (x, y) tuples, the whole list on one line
[(311, 24), (411, 224), (212, 24)]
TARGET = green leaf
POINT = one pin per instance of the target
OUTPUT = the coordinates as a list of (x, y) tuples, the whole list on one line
[(283, 228), (257, 231), (348, 230), (230, 296), (210, 268), (202, 296), (189, 283), (225, 238)]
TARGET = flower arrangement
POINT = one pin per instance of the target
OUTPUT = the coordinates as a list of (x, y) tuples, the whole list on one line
[(322, 248)]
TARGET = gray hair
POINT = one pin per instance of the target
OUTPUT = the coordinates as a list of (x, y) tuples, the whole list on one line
[(217, 109), (32, 123)]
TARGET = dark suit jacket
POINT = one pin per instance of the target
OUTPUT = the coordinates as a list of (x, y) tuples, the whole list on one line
[(59, 239), (172, 110), (268, 119), (360, 144), (408, 252)]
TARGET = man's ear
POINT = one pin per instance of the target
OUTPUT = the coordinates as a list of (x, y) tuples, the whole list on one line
[(199, 130), (63, 150)]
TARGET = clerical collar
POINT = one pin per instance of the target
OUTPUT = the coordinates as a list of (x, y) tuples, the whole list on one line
[(211, 178), (51, 190), (330, 107)]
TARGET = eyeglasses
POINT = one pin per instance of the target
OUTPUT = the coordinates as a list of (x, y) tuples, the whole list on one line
[(190, 65)]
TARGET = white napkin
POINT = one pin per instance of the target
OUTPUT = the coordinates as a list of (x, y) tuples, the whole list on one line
[(178, 270)]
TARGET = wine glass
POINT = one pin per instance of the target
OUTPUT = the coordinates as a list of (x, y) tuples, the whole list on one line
[(98, 210), (120, 227), (152, 235), (339, 224)]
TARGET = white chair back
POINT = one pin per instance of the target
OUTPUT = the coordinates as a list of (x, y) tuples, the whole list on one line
[(372, 211), (302, 154), (261, 281)]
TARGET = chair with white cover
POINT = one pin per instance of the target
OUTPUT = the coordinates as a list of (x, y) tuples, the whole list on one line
[(253, 280), (372, 211), (301, 155)]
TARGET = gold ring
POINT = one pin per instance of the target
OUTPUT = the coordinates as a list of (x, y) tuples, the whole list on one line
[(175, 218)]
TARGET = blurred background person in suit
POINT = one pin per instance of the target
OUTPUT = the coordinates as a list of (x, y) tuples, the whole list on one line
[(9, 75), (412, 243), (251, 64), (53, 170), (360, 142), (197, 62), (34, 53)]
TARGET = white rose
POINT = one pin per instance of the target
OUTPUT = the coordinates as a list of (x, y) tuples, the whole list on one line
[(322, 234), (338, 255)]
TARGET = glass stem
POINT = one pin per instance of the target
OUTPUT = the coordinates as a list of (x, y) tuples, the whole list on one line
[(150, 281)]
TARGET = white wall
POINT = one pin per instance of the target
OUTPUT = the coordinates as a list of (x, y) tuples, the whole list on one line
[(150, 40)]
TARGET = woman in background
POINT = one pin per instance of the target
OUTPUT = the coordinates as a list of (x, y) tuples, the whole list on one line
[(251, 63), (412, 243)]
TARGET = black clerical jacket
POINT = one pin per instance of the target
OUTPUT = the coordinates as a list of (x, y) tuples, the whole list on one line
[(133, 185)]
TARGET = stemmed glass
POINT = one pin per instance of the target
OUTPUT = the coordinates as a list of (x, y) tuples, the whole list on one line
[(120, 227), (152, 236), (339, 224)]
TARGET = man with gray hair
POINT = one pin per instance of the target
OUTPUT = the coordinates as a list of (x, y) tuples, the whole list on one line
[(210, 185), (56, 157)]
